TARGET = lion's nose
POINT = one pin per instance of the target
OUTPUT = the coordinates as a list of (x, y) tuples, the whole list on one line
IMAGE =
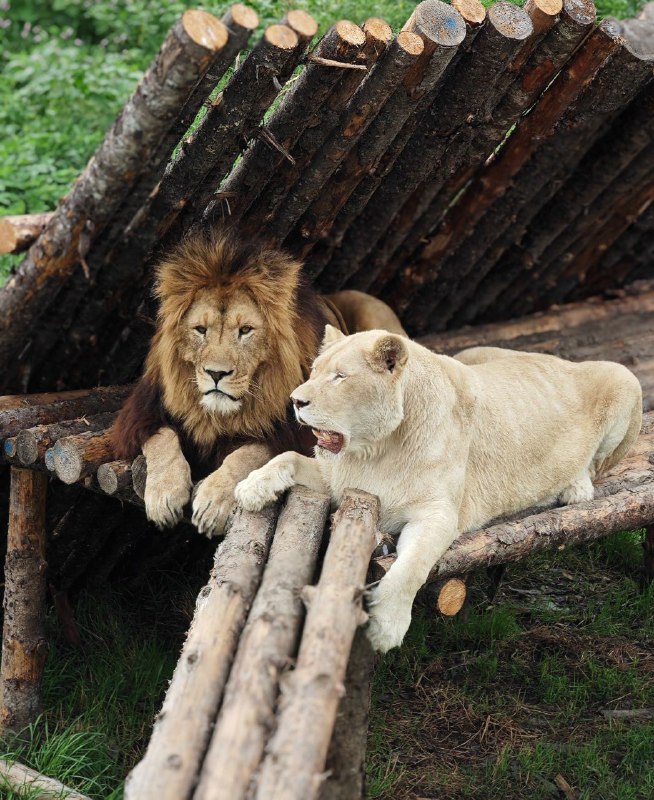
[(217, 376), (300, 403)]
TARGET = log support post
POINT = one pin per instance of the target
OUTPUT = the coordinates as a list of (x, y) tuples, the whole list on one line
[(346, 770), (24, 646)]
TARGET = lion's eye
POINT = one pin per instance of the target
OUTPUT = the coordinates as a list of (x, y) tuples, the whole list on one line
[(200, 329), (339, 377), (245, 329)]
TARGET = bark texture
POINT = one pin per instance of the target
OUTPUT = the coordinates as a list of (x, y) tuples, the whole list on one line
[(265, 651), (19, 778), (182, 729), (346, 773), (79, 456), (98, 192), (295, 760), (31, 443), (24, 645)]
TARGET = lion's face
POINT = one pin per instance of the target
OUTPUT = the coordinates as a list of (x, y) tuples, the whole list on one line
[(225, 343), (353, 397)]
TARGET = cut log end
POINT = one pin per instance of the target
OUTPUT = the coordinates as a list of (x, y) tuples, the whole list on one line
[(377, 29), (281, 37), (205, 29), (472, 11), (437, 22), (243, 17), (113, 476), (27, 448), (139, 474), (411, 43), (549, 7), (10, 447), (581, 12), (350, 32), (67, 463), (18, 232), (451, 597), (510, 21), (302, 23)]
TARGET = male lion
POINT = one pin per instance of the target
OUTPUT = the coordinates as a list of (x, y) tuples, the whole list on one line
[(448, 446), (237, 330)]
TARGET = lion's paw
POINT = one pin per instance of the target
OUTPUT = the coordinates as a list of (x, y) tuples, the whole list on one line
[(263, 486), (213, 500), (389, 620), (165, 498)]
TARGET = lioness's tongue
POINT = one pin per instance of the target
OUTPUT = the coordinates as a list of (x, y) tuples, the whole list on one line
[(329, 440)]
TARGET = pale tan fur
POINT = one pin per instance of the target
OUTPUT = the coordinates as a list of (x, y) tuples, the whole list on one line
[(448, 446), (231, 343)]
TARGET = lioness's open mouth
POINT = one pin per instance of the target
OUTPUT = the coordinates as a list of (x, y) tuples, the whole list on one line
[(329, 440)]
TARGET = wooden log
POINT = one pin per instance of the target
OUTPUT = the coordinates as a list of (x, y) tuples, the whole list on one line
[(421, 212), (18, 778), (620, 261), (346, 774), (451, 596), (330, 215), (24, 645), (98, 192), (624, 510), (79, 456), (281, 69), (542, 64), (115, 476), (561, 145), (296, 755), (608, 217), (181, 732), (202, 162), (17, 233), (300, 107), (497, 177), (266, 648), (18, 412), (571, 211), (400, 57), (31, 443), (139, 475), (370, 42), (234, 30), (464, 97)]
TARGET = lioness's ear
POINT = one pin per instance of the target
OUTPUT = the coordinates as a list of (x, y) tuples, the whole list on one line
[(389, 354), (332, 335)]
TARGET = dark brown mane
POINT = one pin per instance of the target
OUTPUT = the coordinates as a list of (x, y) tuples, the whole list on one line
[(219, 260)]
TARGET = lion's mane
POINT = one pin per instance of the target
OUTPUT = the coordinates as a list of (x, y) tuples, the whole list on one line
[(166, 393)]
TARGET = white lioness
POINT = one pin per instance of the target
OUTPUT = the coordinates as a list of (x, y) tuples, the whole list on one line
[(448, 446)]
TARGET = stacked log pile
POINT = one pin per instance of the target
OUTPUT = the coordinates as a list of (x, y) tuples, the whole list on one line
[(475, 166)]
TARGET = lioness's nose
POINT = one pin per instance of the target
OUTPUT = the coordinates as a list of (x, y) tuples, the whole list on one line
[(217, 376), (300, 403)]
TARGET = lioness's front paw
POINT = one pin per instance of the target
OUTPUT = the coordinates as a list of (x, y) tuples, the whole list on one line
[(165, 498), (263, 486), (389, 620), (213, 501)]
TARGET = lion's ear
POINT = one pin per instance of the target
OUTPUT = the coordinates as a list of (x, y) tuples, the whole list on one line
[(332, 335), (389, 354)]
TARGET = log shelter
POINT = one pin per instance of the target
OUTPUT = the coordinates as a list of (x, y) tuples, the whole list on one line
[(487, 172)]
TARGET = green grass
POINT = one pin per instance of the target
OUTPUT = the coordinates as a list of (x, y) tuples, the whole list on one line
[(501, 699), (100, 700)]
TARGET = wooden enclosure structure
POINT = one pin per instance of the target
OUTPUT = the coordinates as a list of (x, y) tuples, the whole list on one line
[(481, 166)]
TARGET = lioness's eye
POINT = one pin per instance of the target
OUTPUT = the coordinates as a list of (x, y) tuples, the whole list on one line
[(201, 329), (339, 376), (244, 330)]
